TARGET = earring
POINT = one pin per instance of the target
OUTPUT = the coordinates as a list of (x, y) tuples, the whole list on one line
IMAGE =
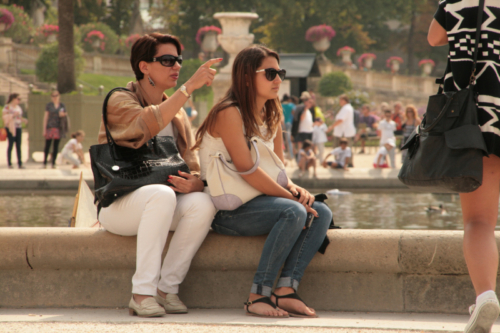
[(151, 81)]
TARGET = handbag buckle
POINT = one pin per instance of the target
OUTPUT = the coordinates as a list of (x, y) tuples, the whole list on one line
[(473, 77)]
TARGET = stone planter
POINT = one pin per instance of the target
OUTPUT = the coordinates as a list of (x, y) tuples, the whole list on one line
[(51, 38), (346, 57), (368, 62), (427, 69), (209, 44), (395, 65), (235, 37), (2, 27), (322, 45), (96, 44)]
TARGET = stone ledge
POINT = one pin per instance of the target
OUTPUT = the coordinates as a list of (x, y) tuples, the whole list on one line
[(362, 270)]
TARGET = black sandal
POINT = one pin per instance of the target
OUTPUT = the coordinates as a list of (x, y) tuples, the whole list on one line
[(266, 300), (292, 313)]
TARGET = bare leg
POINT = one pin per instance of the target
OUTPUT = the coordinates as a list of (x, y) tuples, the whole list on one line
[(480, 213)]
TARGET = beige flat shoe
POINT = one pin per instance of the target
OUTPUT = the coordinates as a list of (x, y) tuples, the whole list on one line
[(148, 308), (172, 303)]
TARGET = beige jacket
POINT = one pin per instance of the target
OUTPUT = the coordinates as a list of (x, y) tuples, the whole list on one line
[(132, 126)]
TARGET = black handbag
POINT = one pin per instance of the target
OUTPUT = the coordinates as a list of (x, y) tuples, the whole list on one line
[(120, 170), (445, 153)]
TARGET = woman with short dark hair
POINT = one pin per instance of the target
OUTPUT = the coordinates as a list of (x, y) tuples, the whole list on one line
[(12, 116), (134, 117)]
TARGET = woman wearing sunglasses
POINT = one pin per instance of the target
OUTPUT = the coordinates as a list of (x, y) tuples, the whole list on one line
[(251, 107), (151, 211)]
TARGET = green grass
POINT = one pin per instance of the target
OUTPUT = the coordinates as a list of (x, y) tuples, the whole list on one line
[(109, 82), (27, 71)]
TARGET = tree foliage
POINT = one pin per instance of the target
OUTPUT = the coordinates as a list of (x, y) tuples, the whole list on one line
[(334, 84), (22, 30), (46, 64)]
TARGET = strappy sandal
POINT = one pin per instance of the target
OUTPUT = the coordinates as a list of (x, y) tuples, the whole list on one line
[(266, 300), (293, 313)]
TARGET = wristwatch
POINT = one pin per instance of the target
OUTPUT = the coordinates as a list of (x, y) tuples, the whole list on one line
[(183, 90)]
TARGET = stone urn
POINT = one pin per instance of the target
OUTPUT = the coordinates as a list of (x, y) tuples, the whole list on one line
[(368, 62), (427, 69), (2, 27), (235, 37), (209, 44), (322, 45), (51, 38), (346, 56), (96, 44), (235, 34), (394, 66)]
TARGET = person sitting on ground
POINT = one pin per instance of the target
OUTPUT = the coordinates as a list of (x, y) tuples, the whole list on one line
[(151, 211), (380, 160), (74, 146), (307, 158), (367, 126), (319, 138), (342, 156), (251, 108)]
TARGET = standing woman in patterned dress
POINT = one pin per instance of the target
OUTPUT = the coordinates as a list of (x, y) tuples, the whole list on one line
[(455, 24)]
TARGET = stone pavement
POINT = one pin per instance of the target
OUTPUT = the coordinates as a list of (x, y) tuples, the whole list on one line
[(363, 176), (118, 320)]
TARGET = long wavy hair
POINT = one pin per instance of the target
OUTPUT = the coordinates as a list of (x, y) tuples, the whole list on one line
[(242, 94)]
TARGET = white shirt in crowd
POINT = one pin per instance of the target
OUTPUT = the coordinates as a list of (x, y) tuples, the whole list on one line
[(71, 146), (341, 154), (306, 124), (346, 128), (319, 133), (381, 152), (387, 129)]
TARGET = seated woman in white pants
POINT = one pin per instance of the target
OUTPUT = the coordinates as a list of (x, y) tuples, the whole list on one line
[(151, 211)]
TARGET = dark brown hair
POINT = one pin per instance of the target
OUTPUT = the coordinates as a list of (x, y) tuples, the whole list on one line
[(144, 49), (12, 97), (242, 94)]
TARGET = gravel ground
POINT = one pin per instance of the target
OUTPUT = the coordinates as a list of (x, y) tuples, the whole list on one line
[(163, 328)]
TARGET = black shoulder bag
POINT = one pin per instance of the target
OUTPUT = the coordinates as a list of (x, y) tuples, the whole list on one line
[(120, 170), (445, 153)]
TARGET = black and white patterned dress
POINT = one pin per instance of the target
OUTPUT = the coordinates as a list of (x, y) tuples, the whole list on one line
[(459, 18)]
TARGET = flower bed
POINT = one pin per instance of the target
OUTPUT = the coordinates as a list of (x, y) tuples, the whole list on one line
[(6, 18)]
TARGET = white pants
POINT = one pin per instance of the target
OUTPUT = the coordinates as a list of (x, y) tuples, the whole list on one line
[(150, 212), (321, 151), (71, 158)]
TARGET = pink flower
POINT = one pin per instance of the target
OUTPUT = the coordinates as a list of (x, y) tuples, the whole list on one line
[(364, 56), (391, 59), (131, 40), (426, 61), (6, 17), (318, 32)]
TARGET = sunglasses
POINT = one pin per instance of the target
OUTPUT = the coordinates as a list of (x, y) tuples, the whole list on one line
[(168, 60), (271, 73)]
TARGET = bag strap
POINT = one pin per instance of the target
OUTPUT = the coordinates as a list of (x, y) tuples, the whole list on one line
[(105, 112), (480, 10), (255, 166), (438, 118)]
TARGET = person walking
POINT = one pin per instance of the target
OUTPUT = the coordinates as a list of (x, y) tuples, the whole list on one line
[(52, 124), (12, 116), (480, 207), (288, 109)]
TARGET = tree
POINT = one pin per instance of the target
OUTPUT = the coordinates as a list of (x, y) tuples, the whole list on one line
[(66, 60), (119, 16), (334, 84)]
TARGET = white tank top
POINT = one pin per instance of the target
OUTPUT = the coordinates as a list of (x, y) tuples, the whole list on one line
[(210, 145)]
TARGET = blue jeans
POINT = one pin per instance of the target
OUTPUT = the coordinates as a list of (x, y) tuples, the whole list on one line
[(287, 243)]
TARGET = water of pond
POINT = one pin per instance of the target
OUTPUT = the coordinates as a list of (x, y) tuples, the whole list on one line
[(381, 210)]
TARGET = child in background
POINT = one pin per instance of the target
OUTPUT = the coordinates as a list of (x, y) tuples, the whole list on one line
[(307, 158), (342, 156), (74, 146), (319, 138), (380, 160)]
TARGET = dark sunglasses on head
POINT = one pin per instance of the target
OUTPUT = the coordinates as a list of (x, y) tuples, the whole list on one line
[(271, 73), (168, 60)]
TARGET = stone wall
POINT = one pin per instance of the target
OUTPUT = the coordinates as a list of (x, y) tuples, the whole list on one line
[(362, 270)]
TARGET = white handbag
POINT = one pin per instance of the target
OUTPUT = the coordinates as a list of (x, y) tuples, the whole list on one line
[(228, 189)]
